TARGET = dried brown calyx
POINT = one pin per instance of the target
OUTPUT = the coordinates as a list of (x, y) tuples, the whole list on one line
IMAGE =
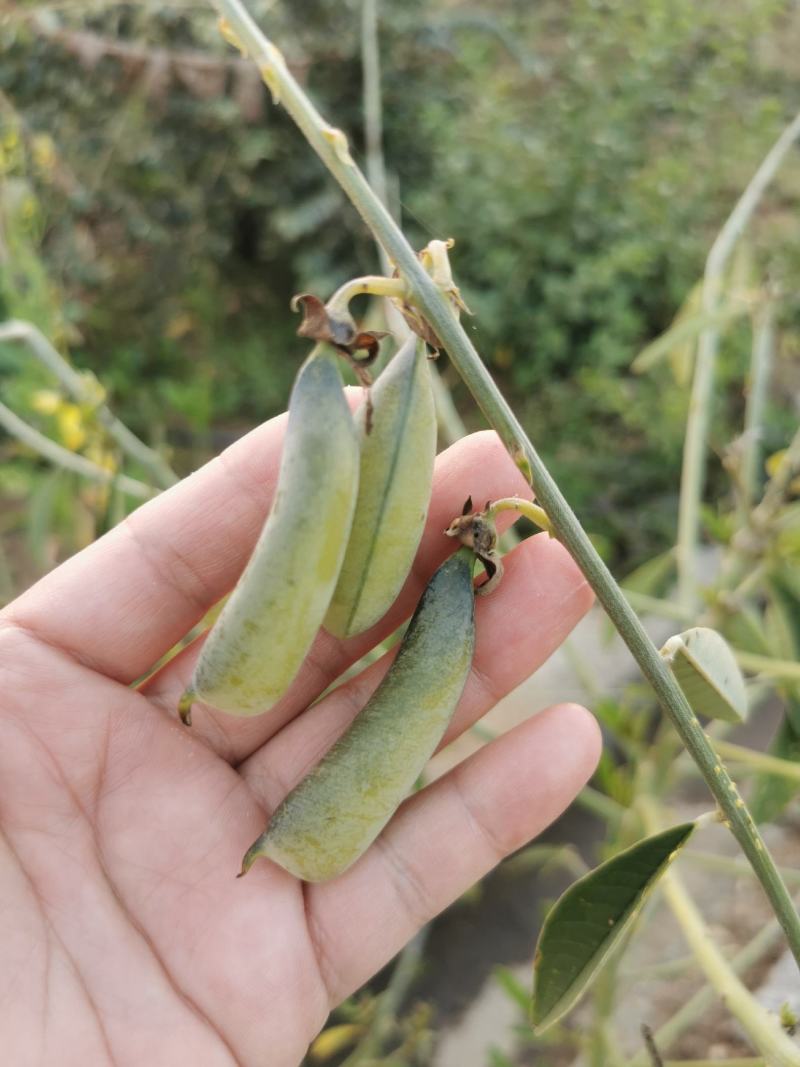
[(476, 530), (338, 328)]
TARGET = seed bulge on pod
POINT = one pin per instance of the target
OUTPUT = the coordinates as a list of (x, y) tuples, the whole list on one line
[(396, 475), (334, 814), (266, 628)]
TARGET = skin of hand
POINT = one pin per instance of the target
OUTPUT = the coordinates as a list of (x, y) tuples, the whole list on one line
[(126, 938)]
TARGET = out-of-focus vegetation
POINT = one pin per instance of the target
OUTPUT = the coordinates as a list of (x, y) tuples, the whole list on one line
[(158, 213)]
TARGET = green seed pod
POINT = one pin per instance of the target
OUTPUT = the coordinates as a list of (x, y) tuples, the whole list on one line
[(263, 633), (337, 811), (394, 491)]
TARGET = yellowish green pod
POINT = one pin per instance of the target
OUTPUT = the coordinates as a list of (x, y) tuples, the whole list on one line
[(397, 456), (263, 633), (337, 811)]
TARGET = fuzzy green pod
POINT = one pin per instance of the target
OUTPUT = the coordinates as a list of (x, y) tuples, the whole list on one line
[(340, 807), (266, 628), (397, 456)]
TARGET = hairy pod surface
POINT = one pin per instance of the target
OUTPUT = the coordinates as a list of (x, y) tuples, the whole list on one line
[(329, 819), (263, 633), (397, 457)]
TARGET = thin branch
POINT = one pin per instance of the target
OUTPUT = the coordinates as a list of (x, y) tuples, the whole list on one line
[(71, 461), (756, 405), (763, 1029), (332, 147), (759, 761), (701, 399), (698, 1005), (371, 1045), (451, 425), (76, 385), (788, 670)]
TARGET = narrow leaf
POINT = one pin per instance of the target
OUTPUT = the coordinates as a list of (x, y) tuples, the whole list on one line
[(771, 792), (706, 670), (588, 922)]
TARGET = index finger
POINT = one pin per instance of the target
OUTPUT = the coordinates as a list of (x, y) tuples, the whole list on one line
[(120, 604)]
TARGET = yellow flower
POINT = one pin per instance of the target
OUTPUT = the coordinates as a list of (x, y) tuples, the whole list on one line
[(46, 401), (69, 420)]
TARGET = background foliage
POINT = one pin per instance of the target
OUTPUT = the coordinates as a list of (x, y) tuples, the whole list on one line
[(582, 156)]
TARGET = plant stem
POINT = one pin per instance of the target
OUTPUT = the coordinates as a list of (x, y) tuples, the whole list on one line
[(702, 1001), (755, 407), (761, 761), (772, 668), (729, 865), (374, 284), (373, 104), (650, 605), (451, 426), (701, 398), (71, 461), (371, 1044), (763, 1029), (746, 1061), (75, 384), (331, 146), (531, 511)]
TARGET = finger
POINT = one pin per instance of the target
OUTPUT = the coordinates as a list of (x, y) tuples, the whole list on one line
[(444, 839), (478, 464), (118, 605), (145, 584), (542, 597)]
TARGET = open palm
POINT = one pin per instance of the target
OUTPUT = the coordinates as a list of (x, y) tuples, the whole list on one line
[(125, 936)]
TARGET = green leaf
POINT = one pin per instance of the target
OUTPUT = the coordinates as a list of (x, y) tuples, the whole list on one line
[(588, 922), (706, 670), (772, 792), (512, 987), (653, 577)]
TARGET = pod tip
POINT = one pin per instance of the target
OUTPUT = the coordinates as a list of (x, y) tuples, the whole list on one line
[(250, 858), (185, 707)]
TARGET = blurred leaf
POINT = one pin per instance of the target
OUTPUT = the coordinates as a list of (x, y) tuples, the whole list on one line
[(682, 331), (782, 617), (498, 1058), (744, 629), (772, 792), (706, 670), (587, 923), (653, 577), (513, 987)]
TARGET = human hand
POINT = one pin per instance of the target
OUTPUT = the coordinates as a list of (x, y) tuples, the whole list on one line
[(126, 937)]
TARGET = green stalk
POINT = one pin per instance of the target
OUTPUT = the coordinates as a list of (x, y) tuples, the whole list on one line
[(332, 148), (763, 1029), (756, 405), (451, 426), (700, 401), (701, 1002), (70, 461), (787, 670), (760, 761), (75, 384), (370, 1047), (746, 1061)]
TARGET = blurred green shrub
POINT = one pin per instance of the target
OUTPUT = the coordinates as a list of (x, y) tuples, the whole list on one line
[(582, 155)]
